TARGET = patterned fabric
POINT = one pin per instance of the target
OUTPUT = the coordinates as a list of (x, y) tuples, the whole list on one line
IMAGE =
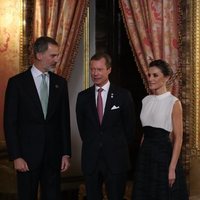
[(152, 28), (62, 20)]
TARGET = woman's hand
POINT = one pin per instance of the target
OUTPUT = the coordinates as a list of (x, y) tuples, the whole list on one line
[(171, 177)]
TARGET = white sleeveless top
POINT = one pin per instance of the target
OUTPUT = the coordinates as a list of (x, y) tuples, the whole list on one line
[(157, 111)]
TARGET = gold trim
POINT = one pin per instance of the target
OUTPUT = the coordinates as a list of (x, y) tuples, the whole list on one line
[(86, 47), (21, 45), (26, 18), (195, 61)]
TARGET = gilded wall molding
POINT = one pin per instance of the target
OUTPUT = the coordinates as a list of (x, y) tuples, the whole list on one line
[(195, 79), (26, 31), (184, 80), (21, 37), (86, 49)]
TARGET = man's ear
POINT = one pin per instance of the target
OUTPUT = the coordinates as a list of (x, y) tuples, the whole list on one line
[(110, 69), (39, 56)]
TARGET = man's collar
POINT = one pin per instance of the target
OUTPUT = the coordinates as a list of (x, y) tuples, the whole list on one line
[(36, 72), (105, 87)]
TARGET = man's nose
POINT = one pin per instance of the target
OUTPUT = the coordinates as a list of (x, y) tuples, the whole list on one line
[(95, 72), (57, 59)]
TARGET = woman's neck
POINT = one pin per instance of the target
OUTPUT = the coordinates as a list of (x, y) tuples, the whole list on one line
[(160, 91)]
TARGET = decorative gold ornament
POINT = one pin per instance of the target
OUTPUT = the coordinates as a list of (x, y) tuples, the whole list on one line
[(195, 84)]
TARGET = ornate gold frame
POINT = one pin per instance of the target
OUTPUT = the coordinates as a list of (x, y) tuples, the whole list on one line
[(27, 12), (195, 79), (23, 42), (22, 25), (86, 50)]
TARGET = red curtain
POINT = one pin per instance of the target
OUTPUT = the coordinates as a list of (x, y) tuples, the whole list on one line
[(152, 28), (63, 20)]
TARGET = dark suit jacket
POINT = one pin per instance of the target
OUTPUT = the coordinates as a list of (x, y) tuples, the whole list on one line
[(27, 133), (112, 136)]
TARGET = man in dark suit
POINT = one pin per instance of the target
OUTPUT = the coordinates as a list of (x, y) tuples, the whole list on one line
[(106, 122), (37, 124)]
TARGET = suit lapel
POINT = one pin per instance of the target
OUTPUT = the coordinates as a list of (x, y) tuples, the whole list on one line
[(109, 103), (53, 87), (32, 90), (51, 93)]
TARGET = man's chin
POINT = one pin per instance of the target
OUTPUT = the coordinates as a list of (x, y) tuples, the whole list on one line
[(52, 70)]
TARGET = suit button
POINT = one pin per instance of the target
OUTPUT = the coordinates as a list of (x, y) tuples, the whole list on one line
[(100, 144), (101, 133)]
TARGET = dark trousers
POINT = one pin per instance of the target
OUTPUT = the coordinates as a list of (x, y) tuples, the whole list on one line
[(48, 179), (114, 182)]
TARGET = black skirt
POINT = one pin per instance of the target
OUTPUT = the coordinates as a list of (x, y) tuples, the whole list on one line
[(151, 174)]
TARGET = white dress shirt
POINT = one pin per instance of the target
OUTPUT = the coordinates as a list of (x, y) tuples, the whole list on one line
[(36, 73)]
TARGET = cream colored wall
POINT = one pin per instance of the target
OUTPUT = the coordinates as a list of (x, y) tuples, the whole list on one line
[(75, 85)]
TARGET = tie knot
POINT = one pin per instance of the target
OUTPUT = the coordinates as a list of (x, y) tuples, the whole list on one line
[(43, 75), (100, 90)]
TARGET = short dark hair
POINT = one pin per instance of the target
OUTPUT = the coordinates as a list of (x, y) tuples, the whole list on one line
[(163, 66), (106, 56), (41, 44)]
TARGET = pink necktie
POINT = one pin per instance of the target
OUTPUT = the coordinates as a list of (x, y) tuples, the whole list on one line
[(100, 105)]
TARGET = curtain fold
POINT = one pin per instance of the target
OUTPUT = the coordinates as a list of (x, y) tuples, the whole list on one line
[(152, 28), (62, 20)]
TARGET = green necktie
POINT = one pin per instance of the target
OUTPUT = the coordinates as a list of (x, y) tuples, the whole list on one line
[(44, 94)]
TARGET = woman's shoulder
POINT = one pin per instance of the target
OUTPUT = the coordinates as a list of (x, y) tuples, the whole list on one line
[(147, 98), (161, 98), (173, 98)]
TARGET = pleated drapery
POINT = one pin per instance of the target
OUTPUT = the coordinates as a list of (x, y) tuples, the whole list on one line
[(152, 28), (62, 20)]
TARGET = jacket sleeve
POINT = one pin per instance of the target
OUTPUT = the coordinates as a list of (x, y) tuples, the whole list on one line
[(80, 115), (65, 121), (11, 112)]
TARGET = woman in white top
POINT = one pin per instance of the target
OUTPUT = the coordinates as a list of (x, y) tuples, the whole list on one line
[(159, 175)]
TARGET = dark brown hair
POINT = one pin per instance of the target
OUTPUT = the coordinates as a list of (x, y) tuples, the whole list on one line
[(163, 66), (41, 44), (99, 56)]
